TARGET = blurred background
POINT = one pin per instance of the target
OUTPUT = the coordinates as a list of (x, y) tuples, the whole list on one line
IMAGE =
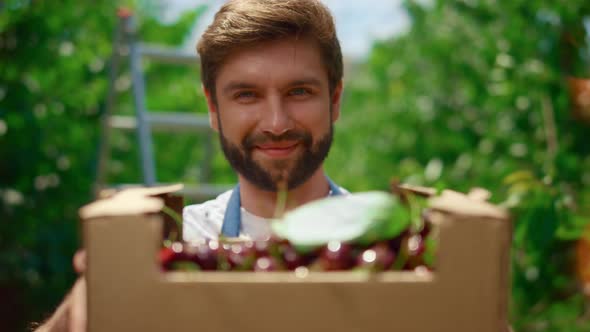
[(449, 94)]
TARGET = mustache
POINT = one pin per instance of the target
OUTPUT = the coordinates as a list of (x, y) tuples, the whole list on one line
[(252, 140)]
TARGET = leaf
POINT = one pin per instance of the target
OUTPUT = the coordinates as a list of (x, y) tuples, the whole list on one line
[(431, 245), (364, 217), (572, 227)]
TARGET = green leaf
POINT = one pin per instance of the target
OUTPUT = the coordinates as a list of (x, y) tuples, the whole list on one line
[(431, 245), (363, 217)]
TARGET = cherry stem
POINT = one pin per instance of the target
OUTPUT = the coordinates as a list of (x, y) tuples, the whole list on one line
[(415, 218), (177, 219), (281, 200)]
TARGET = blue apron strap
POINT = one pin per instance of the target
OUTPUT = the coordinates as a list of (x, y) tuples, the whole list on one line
[(334, 189), (232, 220)]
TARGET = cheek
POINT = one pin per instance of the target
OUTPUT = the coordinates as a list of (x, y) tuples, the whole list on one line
[(313, 117), (235, 124)]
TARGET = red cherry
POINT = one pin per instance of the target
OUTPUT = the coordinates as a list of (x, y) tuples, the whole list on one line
[(427, 223), (266, 264), (241, 256), (396, 243), (290, 257), (171, 255), (165, 258), (205, 255), (263, 248), (377, 258), (413, 247), (336, 256)]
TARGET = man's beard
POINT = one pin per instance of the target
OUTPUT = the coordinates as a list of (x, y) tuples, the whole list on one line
[(309, 160)]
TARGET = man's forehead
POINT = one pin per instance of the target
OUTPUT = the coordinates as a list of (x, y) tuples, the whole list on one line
[(287, 60)]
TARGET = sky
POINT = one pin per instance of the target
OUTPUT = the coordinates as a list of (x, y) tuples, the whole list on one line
[(358, 23)]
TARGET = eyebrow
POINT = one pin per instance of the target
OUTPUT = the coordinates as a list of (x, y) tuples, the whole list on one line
[(306, 81), (232, 86), (236, 85)]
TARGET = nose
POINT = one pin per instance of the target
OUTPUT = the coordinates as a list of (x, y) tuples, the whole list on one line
[(277, 119)]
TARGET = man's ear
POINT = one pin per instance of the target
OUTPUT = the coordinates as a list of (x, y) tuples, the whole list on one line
[(212, 107), (336, 100)]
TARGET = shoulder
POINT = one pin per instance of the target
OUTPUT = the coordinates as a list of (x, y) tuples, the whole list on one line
[(204, 220), (344, 191)]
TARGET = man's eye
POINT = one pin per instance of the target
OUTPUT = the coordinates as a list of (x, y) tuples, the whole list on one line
[(244, 95), (299, 92)]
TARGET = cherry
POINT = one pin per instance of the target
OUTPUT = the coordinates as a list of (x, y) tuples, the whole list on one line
[(413, 247), (396, 243), (166, 257), (263, 248), (241, 256), (174, 258), (266, 264), (291, 258), (204, 254), (336, 256), (426, 223), (377, 258)]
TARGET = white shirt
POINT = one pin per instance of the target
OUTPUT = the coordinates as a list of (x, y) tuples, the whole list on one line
[(203, 221)]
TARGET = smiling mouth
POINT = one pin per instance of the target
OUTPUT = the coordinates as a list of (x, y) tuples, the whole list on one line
[(277, 150)]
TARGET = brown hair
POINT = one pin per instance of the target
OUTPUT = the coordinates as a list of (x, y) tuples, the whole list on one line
[(240, 23)]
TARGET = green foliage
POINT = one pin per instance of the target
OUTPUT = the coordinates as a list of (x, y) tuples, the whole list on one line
[(475, 93), (53, 82)]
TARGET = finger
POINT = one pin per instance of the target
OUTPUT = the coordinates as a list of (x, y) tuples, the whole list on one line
[(77, 321), (58, 322), (79, 261)]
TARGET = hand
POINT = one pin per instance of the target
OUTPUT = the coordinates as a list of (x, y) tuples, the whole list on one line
[(70, 316), (79, 261)]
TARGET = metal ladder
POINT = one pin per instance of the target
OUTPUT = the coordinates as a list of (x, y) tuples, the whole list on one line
[(144, 121)]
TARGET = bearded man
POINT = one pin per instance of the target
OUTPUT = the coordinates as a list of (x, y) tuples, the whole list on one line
[(272, 76)]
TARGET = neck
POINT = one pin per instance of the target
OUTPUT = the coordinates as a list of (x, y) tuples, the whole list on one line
[(264, 203)]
